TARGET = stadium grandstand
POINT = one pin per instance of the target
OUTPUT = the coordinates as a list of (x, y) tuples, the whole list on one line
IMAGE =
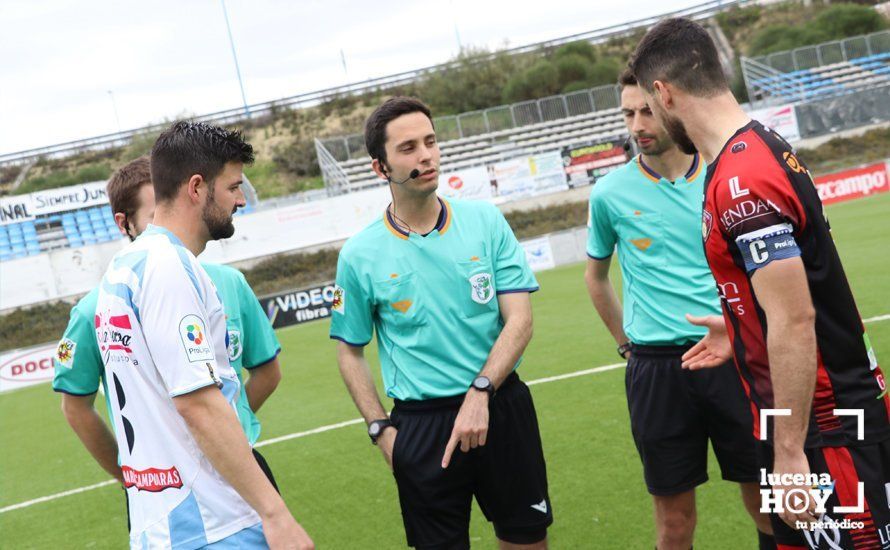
[(821, 71), (46, 232), (532, 127)]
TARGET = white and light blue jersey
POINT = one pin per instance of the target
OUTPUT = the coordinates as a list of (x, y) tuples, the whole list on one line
[(162, 333)]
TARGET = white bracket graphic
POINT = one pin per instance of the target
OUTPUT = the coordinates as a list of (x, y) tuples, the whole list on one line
[(764, 416), (860, 420)]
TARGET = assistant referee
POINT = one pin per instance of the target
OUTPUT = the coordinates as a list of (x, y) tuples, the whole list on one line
[(446, 285)]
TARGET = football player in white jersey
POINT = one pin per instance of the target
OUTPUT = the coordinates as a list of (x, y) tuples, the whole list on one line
[(191, 479)]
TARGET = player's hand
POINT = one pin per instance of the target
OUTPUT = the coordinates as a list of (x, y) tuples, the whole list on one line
[(471, 425), (387, 441), (283, 532), (711, 351), (794, 462)]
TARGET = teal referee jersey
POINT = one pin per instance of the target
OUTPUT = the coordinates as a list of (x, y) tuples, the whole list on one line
[(251, 342), (655, 225), (433, 299)]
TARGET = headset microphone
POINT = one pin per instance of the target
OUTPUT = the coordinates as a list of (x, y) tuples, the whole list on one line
[(414, 173), (627, 144)]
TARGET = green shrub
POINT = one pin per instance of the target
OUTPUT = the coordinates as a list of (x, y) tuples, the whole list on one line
[(572, 68), (580, 48), (833, 23), (843, 20)]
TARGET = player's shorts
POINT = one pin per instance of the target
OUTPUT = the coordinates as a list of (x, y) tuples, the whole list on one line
[(847, 466), (673, 414), (507, 475)]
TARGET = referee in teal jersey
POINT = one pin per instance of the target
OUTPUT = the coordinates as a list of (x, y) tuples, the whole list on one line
[(252, 344), (650, 210), (446, 285)]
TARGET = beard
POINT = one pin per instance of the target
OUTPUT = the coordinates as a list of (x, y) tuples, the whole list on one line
[(218, 221), (679, 135)]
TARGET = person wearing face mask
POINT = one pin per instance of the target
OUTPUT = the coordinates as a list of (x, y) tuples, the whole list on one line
[(650, 211), (446, 285)]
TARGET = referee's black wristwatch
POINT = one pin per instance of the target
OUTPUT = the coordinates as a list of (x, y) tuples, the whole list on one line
[(483, 383), (376, 427), (624, 349)]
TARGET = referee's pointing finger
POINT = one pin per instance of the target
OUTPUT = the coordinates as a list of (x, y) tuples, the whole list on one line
[(449, 450)]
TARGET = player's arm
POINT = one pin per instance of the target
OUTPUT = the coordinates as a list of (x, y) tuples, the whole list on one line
[(515, 282), (352, 326), (262, 382), (471, 425), (601, 240), (783, 293), (604, 297), (356, 375), (92, 431), (188, 375), (215, 427), (260, 348), (77, 374)]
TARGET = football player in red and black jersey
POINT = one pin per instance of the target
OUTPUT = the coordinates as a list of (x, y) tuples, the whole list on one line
[(819, 399)]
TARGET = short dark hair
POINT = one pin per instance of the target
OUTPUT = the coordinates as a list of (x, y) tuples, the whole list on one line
[(389, 110), (681, 52), (627, 78), (124, 185), (188, 148)]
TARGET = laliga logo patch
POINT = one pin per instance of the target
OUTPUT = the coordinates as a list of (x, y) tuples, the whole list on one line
[(338, 304), (65, 352), (793, 163), (707, 222), (191, 332), (481, 288), (234, 346)]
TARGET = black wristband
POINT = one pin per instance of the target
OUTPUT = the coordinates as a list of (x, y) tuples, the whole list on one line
[(624, 349)]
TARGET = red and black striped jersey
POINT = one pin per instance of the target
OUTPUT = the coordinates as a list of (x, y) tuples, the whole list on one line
[(760, 206)]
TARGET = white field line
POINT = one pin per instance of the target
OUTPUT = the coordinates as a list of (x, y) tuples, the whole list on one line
[(338, 425)]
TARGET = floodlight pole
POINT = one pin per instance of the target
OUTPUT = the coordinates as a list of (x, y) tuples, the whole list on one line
[(235, 57), (114, 106)]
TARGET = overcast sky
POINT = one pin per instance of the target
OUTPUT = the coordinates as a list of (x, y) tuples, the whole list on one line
[(65, 66)]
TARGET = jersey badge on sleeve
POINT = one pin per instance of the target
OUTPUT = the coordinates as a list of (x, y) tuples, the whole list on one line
[(481, 289), (338, 304), (191, 331), (707, 222), (793, 163), (234, 346), (65, 352)]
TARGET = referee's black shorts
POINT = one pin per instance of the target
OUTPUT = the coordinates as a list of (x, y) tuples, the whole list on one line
[(507, 476), (673, 414)]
